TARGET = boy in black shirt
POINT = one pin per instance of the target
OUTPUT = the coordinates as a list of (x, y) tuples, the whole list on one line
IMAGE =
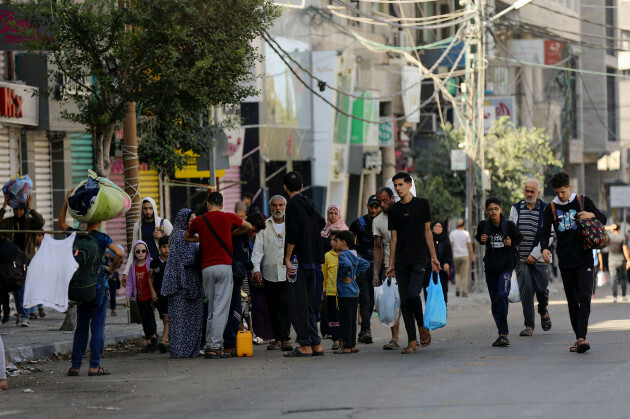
[(412, 239), (157, 269), (575, 262), (501, 237)]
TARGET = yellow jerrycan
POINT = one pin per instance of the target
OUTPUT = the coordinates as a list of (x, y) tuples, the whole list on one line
[(244, 343)]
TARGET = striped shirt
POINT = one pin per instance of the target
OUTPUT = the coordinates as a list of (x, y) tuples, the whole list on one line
[(528, 226)]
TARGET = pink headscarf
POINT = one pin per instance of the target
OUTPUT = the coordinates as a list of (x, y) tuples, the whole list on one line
[(339, 225)]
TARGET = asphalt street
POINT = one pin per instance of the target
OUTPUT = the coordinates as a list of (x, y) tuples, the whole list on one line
[(458, 375)]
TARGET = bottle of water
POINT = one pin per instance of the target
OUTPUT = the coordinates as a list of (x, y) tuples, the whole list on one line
[(294, 265)]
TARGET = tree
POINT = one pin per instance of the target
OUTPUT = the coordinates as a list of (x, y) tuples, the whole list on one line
[(443, 187), (515, 154), (176, 58)]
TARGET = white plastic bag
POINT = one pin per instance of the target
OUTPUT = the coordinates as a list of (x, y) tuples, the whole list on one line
[(514, 296), (602, 278), (387, 302)]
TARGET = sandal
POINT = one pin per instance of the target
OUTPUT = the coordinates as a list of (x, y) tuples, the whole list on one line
[(342, 352), (582, 346), (336, 345), (573, 348), (230, 353), (365, 337), (296, 353), (391, 345), (411, 348), (501, 341), (527, 332), (213, 354), (425, 338), (73, 373), (101, 371), (275, 345), (545, 322), (286, 346)]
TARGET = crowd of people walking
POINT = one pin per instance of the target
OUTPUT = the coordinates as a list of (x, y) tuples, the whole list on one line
[(212, 273)]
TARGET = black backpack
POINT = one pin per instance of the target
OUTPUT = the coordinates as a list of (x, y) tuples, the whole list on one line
[(505, 233), (87, 253), (13, 263)]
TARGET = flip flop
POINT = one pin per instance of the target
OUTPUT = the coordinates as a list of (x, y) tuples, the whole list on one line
[(296, 354), (320, 353), (424, 342), (582, 346), (527, 332), (410, 349), (342, 352), (73, 373), (391, 345), (101, 371)]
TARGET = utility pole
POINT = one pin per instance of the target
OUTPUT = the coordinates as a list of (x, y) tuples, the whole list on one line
[(131, 173)]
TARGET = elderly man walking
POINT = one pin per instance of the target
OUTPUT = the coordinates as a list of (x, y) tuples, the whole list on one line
[(269, 249), (532, 271)]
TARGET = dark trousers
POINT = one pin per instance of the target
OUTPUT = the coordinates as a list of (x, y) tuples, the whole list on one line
[(302, 307), (366, 297), (619, 277), (18, 297), (533, 279), (112, 294), (410, 284), (90, 318), (578, 288), (276, 293), (4, 302), (330, 319), (234, 318), (148, 318), (499, 289), (348, 320), (443, 281)]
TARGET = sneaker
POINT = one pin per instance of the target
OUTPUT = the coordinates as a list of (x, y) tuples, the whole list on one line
[(614, 299), (24, 322), (624, 298), (113, 313)]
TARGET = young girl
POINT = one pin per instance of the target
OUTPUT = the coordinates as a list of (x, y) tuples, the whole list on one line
[(140, 286), (330, 318)]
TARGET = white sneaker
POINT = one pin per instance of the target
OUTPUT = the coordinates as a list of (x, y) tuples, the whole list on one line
[(614, 299), (624, 298), (24, 322)]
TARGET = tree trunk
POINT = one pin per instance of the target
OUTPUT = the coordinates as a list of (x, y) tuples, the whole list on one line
[(70, 322), (102, 142), (130, 162)]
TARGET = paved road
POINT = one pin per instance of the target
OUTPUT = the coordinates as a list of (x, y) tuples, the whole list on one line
[(459, 375)]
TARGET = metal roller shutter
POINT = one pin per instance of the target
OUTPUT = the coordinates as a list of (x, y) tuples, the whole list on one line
[(230, 188), (149, 184), (82, 156), (42, 178)]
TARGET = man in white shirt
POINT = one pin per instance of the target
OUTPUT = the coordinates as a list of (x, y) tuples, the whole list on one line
[(269, 249), (462, 251), (382, 236)]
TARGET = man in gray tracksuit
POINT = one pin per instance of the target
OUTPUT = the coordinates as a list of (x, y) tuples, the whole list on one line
[(532, 272)]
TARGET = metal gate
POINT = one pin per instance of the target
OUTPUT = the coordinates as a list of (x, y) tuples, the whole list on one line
[(42, 177), (9, 152)]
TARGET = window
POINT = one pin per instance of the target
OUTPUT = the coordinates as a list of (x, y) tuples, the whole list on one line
[(611, 104), (625, 40)]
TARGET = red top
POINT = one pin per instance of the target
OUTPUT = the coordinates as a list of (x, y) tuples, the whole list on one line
[(211, 251), (143, 292)]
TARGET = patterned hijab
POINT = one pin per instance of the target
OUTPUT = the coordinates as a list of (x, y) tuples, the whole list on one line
[(183, 256), (338, 225)]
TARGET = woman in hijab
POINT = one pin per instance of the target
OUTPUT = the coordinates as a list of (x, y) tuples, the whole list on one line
[(182, 286), (444, 254), (333, 222)]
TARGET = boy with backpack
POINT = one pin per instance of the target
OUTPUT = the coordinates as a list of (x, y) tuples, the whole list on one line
[(92, 312), (501, 238)]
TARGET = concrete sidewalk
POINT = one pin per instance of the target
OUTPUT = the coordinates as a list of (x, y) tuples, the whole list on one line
[(44, 339)]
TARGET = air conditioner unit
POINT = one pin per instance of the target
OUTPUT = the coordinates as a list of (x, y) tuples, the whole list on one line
[(428, 122)]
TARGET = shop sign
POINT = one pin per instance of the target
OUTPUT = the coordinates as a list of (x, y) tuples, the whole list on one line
[(18, 104)]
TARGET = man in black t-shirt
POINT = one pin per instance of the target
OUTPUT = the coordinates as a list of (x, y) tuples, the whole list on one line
[(362, 229), (410, 245)]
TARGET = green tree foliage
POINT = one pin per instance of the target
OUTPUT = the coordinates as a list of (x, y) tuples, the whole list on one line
[(515, 154), (443, 187), (174, 58)]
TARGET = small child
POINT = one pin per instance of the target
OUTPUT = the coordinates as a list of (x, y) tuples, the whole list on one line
[(112, 278), (350, 265), (139, 285), (331, 315), (157, 274)]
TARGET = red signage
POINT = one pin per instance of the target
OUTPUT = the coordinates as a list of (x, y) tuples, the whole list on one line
[(10, 103), (553, 52)]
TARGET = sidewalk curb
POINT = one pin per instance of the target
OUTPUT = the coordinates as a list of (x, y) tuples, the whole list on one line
[(45, 350)]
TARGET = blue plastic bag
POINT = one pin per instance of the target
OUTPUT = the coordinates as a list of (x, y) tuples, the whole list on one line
[(435, 312)]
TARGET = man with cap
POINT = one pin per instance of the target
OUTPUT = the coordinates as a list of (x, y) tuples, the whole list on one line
[(362, 229)]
